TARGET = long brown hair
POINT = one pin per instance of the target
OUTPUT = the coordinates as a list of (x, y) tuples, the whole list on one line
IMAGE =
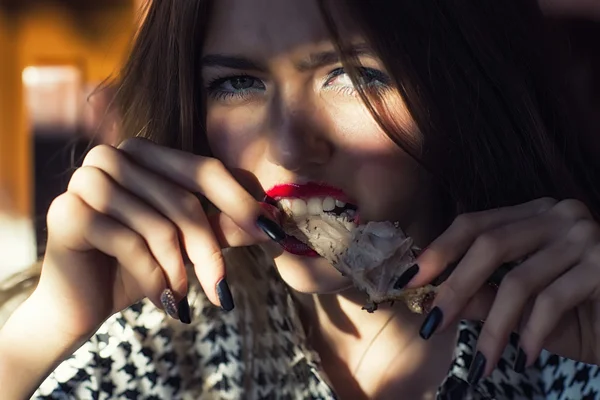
[(497, 121), (484, 82)]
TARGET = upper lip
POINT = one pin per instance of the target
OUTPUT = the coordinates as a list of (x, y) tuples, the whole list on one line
[(307, 190)]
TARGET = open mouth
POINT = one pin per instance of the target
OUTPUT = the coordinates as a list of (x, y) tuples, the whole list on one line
[(307, 201)]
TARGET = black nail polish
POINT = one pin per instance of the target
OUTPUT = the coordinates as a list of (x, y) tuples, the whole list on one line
[(406, 277), (224, 295), (520, 361), (183, 311), (271, 228), (431, 323), (269, 200), (477, 368)]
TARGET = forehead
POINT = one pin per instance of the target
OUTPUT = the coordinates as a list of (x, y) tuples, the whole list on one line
[(266, 28)]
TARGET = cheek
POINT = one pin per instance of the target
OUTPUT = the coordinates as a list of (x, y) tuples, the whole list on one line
[(389, 181), (233, 139)]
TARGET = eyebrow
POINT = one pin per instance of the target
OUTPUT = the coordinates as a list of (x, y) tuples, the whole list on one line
[(311, 62)]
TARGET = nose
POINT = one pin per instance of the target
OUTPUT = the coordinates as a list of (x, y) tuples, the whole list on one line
[(297, 135)]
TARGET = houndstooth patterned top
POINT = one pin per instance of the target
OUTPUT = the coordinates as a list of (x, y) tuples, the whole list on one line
[(140, 354)]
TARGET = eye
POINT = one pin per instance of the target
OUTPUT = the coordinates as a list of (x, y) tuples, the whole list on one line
[(239, 86), (369, 78)]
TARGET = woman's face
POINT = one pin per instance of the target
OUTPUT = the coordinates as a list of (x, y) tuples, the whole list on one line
[(281, 108)]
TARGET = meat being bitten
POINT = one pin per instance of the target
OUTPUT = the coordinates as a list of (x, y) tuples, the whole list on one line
[(373, 255)]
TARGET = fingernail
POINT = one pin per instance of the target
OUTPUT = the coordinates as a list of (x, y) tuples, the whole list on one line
[(269, 200), (477, 368), (406, 277), (168, 302), (271, 228), (271, 210), (183, 311), (431, 323), (520, 361), (224, 295)]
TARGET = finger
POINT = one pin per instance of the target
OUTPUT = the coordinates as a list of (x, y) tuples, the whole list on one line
[(527, 280), (229, 234), (103, 195), (92, 230), (450, 246), (207, 176), (509, 242), (563, 295), (479, 306), (178, 205), (144, 184)]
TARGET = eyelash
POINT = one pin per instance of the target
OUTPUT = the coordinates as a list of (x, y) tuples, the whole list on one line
[(214, 91)]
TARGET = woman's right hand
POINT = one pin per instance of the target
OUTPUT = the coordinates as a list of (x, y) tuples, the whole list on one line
[(118, 233)]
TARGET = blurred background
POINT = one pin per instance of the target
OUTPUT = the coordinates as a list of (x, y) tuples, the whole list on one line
[(54, 54)]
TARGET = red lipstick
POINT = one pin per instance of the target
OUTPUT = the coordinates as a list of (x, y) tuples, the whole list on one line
[(304, 191)]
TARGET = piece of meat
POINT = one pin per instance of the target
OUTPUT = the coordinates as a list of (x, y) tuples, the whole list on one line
[(373, 255)]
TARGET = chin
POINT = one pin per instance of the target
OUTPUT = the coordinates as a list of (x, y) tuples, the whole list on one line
[(310, 275)]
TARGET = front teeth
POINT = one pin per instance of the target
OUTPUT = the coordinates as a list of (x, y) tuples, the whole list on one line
[(328, 204), (313, 206), (299, 207)]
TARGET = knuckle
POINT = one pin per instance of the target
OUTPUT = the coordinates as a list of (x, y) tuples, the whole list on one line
[(215, 258), (572, 209), (545, 204), (592, 256), (134, 244), (490, 244), (99, 155), (491, 336), (60, 209), (167, 236), (549, 302), (465, 223), (213, 164), (516, 284), (85, 178), (582, 230)]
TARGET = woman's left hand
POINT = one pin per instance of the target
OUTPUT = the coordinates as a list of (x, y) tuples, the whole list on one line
[(551, 298)]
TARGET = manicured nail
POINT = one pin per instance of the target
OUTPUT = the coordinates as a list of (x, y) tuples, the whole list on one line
[(406, 277), (271, 228), (269, 200), (477, 368), (431, 323), (520, 361), (183, 311), (168, 302), (224, 295)]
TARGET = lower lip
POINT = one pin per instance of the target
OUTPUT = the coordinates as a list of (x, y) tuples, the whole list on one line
[(296, 247)]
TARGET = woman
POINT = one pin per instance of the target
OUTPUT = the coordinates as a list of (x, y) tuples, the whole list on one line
[(442, 116)]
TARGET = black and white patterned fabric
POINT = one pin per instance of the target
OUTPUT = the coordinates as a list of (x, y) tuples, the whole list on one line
[(141, 354)]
